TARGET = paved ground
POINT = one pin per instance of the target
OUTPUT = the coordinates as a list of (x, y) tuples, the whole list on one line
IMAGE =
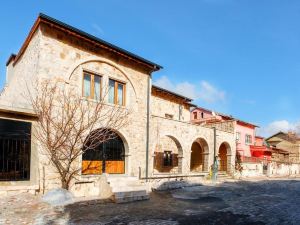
[(245, 202)]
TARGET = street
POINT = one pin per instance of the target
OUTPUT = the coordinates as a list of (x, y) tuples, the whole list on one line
[(244, 202)]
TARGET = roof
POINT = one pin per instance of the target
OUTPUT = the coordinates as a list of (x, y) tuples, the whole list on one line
[(293, 138), (11, 58), (260, 137), (42, 18), (172, 93), (228, 117)]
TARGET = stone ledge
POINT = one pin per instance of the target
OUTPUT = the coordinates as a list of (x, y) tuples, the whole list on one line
[(19, 187)]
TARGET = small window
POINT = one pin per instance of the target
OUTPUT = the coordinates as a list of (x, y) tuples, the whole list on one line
[(248, 139), (195, 115), (180, 112), (91, 86), (167, 158), (202, 115), (169, 116), (238, 136), (116, 92)]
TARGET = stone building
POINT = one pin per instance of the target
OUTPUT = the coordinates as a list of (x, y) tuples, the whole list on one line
[(159, 141), (289, 142)]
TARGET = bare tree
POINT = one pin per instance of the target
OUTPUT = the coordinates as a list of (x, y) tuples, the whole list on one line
[(66, 119)]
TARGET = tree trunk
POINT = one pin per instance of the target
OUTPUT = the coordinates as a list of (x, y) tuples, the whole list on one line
[(65, 184)]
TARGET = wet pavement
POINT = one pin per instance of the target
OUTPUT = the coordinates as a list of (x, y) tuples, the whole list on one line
[(244, 202)]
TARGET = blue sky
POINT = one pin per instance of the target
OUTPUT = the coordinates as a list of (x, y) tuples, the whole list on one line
[(240, 57)]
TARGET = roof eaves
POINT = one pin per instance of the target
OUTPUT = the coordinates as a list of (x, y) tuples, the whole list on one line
[(228, 116), (172, 93), (11, 58), (274, 135), (87, 35)]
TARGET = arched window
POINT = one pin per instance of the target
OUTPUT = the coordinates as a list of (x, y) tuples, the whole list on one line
[(105, 157)]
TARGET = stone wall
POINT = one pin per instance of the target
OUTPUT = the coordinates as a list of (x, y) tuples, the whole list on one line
[(21, 76), (283, 169), (273, 169), (226, 126), (185, 134), (252, 169), (163, 104)]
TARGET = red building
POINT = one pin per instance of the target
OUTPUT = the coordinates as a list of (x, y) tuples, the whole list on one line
[(249, 147)]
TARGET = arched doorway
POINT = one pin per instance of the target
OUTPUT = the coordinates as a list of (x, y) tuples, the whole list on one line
[(224, 156), (199, 150), (168, 155), (107, 156)]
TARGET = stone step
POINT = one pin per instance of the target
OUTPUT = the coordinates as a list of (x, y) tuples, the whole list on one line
[(128, 188), (124, 194), (131, 199)]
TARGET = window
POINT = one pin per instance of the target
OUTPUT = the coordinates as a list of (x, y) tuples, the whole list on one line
[(195, 115), (238, 136), (180, 112), (116, 92), (91, 86), (167, 158), (15, 146), (202, 115), (248, 139), (105, 157)]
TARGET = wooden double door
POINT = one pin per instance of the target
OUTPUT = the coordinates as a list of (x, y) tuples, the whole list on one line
[(223, 158), (107, 157)]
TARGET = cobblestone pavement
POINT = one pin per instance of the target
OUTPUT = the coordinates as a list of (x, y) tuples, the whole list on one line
[(244, 202)]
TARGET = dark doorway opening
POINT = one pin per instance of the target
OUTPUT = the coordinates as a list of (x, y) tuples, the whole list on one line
[(15, 145)]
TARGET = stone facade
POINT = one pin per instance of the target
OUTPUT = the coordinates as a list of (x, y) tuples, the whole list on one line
[(55, 54), (289, 142)]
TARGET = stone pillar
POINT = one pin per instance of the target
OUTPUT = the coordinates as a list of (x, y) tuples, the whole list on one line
[(206, 162)]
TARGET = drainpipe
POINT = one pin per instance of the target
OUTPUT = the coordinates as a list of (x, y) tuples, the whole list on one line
[(215, 142), (215, 165), (148, 125)]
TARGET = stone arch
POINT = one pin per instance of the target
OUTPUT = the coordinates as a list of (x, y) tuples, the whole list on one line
[(100, 60), (110, 156), (199, 155), (224, 157), (168, 154)]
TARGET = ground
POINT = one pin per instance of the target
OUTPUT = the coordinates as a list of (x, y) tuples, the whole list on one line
[(244, 202)]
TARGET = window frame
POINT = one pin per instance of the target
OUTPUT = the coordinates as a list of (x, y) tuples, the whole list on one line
[(92, 85), (248, 139), (116, 84), (169, 116), (238, 137), (195, 115)]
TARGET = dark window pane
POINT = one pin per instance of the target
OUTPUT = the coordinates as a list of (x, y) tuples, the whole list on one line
[(14, 150)]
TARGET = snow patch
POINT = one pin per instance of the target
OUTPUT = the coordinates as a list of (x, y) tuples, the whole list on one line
[(58, 197)]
